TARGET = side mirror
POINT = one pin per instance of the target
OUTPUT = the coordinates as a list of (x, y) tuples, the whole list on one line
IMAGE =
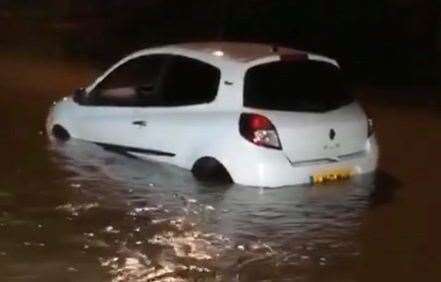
[(78, 95)]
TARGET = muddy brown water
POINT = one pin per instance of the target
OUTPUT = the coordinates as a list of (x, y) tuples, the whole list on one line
[(73, 212)]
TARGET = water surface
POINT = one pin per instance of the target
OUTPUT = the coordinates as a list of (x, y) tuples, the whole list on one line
[(72, 211)]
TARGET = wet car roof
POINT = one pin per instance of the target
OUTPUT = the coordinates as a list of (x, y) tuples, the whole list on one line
[(235, 51)]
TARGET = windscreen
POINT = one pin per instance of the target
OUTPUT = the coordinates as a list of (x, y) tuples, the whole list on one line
[(305, 86)]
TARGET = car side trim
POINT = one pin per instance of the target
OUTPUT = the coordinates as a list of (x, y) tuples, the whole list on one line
[(127, 149)]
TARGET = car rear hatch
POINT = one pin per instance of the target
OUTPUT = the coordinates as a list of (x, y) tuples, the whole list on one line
[(316, 118)]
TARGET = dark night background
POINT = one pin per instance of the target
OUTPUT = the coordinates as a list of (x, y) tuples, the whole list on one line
[(390, 42)]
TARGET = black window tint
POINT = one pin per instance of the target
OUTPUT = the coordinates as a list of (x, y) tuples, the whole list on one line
[(189, 82), (134, 83), (295, 86)]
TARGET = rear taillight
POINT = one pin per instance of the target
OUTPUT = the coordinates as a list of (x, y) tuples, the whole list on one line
[(259, 130), (370, 123)]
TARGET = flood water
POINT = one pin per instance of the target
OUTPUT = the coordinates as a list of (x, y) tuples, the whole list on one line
[(73, 212)]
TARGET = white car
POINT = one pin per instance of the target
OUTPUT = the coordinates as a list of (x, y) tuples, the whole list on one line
[(256, 114)]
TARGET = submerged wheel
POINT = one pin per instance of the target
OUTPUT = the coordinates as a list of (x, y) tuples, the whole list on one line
[(60, 132), (210, 169)]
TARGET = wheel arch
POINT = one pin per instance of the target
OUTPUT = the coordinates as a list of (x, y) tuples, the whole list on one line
[(60, 132), (208, 167)]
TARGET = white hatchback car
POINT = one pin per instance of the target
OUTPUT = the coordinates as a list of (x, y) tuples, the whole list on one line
[(257, 114)]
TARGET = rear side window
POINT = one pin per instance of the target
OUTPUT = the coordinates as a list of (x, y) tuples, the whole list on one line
[(189, 82), (308, 86)]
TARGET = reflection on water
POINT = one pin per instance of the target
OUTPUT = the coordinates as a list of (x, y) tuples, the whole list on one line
[(125, 219)]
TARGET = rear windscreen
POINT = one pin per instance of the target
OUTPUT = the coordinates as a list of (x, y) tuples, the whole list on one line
[(295, 86)]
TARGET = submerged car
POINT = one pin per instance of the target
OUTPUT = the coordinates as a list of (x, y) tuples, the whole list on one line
[(255, 114)]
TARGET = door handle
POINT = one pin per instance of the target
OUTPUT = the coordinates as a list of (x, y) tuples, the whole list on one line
[(140, 122)]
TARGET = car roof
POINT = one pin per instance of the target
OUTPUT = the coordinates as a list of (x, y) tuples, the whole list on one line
[(236, 52), (228, 56)]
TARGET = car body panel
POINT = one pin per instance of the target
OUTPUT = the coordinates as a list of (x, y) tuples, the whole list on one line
[(306, 136)]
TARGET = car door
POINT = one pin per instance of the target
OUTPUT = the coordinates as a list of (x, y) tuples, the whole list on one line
[(170, 128), (107, 115)]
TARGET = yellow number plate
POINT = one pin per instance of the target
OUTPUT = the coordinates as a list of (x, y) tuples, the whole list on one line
[(331, 176)]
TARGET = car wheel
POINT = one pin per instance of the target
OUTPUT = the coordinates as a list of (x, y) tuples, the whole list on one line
[(210, 169)]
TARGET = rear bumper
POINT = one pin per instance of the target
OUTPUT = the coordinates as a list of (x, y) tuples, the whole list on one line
[(271, 168)]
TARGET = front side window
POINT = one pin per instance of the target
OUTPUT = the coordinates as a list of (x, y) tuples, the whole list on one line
[(135, 83), (305, 86)]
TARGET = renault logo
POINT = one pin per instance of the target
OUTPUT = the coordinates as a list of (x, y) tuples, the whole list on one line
[(332, 134)]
